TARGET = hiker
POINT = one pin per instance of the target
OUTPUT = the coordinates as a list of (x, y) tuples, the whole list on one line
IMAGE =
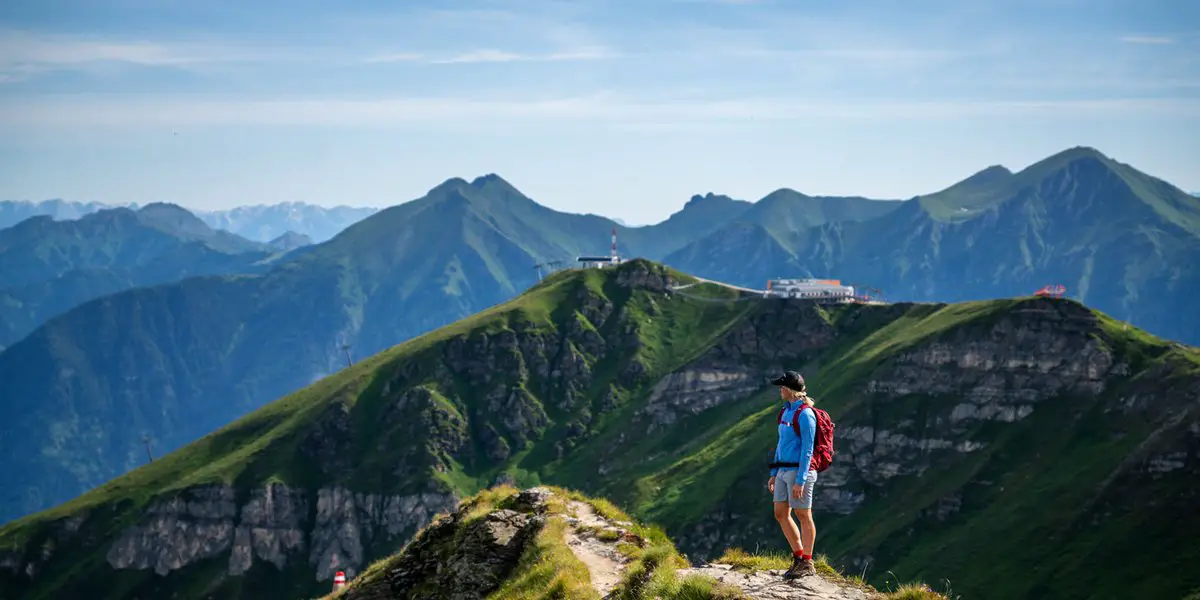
[(790, 484)]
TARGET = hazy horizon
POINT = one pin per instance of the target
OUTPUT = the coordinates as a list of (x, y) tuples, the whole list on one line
[(619, 218), (618, 107)]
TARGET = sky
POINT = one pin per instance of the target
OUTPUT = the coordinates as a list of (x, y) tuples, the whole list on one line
[(618, 107)]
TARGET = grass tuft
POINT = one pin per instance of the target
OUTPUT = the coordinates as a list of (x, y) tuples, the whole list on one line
[(915, 591), (746, 562)]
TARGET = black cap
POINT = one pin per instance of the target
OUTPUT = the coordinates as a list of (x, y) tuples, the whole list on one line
[(791, 379)]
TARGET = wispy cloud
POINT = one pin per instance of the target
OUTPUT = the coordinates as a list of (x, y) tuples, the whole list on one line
[(490, 55), (1147, 39), (24, 53), (601, 107), (25, 48)]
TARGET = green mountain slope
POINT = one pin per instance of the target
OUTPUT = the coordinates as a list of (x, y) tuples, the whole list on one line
[(48, 266), (757, 244), (786, 211), (990, 443), (1121, 241)]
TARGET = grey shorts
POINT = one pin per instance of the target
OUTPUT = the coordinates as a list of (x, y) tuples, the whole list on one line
[(783, 488)]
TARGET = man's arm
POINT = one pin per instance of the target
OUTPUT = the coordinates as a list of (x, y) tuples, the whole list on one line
[(775, 454), (808, 436)]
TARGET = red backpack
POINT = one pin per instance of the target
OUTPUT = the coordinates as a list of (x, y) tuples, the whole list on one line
[(822, 455)]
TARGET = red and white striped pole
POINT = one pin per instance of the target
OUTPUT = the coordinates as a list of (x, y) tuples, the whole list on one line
[(339, 581)]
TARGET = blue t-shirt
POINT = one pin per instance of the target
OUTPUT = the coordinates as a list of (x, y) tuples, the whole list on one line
[(793, 448)]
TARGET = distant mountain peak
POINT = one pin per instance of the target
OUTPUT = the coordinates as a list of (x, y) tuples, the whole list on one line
[(1064, 158), (290, 241), (173, 216), (490, 178), (1082, 152), (449, 184), (708, 198), (994, 171), (782, 195), (165, 208)]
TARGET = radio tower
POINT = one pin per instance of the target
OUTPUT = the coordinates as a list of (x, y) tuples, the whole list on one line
[(146, 441)]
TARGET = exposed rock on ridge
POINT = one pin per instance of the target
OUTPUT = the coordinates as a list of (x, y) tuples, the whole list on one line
[(459, 557), (274, 526)]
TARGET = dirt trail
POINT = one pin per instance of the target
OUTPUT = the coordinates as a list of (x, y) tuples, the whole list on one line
[(607, 566), (603, 561)]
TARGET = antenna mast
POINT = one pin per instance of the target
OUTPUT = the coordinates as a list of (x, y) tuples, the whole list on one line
[(146, 441)]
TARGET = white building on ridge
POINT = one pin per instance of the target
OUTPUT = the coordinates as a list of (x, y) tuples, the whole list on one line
[(828, 290)]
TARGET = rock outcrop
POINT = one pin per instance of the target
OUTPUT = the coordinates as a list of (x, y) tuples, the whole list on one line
[(460, 556), (192, 526), (770, 585), (692, 391), (471, 566), (275, 526)]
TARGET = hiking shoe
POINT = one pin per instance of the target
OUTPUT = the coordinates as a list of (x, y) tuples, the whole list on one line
[(794, 570), (806, 568)]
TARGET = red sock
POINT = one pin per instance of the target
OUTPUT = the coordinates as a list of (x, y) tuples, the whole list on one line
[(807, 557), (798, 554)]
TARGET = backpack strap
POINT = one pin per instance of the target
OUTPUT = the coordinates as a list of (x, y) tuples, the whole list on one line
[(796, 419)]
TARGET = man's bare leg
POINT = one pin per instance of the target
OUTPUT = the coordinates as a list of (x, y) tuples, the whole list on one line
[(784, 517), (808, 529)]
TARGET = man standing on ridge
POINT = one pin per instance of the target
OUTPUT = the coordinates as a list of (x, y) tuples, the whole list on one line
[(792, 478)]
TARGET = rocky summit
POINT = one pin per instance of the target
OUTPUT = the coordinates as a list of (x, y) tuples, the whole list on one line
[(1003, 446)]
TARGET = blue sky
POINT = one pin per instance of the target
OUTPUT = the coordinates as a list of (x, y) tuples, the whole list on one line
[(620, 107)]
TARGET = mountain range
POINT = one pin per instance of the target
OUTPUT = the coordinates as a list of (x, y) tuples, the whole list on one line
[(174, 362), (178, 360), (267, 222), (261, 223), (1119, 240), (1007, 446), (49, 266), (15, 211)]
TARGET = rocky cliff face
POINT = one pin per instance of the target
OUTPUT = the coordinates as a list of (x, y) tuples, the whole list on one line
[(278, 525), (327, 530)]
